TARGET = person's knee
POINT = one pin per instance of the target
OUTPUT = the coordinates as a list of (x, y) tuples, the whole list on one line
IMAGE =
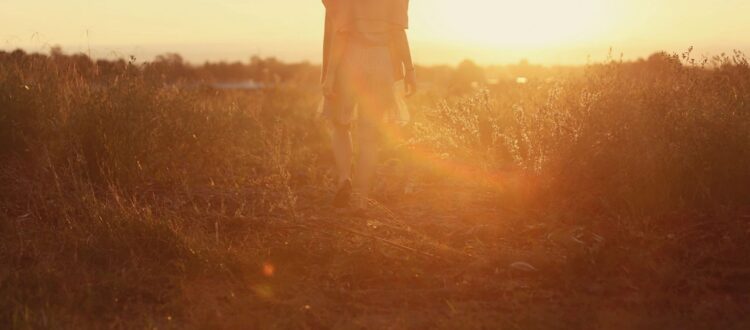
[(369, 134)]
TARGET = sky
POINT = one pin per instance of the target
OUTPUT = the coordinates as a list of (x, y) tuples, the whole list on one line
[(441, 31)]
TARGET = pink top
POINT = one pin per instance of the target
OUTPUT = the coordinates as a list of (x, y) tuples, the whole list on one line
[(368, 15), (368, 21)]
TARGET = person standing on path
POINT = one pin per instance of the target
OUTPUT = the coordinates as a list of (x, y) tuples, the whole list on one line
[(365, 52)]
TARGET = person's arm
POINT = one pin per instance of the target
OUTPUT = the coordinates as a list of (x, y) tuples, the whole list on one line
[(336, 54), (403, 52)]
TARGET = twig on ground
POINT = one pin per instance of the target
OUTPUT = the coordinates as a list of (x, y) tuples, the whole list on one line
[(382, 240)]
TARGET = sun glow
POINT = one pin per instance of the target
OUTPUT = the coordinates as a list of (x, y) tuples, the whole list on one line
[(441, 31), (526, 24)]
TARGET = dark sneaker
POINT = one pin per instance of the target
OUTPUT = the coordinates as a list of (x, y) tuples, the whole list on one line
[(343, 195)]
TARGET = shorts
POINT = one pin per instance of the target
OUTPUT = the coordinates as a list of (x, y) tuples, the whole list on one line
[(365, 88)]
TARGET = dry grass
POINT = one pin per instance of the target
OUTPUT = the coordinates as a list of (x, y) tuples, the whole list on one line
[(613, 198)]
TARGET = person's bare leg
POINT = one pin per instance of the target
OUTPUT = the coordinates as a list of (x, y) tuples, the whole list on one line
[(341, 143), (367, 161)]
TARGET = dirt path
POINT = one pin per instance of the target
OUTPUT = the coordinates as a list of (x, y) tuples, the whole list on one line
[(438, 258), (430, 259)]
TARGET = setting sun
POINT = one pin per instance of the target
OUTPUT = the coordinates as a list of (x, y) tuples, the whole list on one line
[(525, 24), (441, 31)]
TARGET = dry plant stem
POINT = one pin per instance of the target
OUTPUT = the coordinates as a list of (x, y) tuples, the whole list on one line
[(358, 233), (394, 244)]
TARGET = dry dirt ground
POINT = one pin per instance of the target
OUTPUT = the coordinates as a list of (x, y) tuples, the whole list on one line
[(445, 256)]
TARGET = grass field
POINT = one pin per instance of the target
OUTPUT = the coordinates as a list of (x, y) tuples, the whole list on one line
[(614, 196)]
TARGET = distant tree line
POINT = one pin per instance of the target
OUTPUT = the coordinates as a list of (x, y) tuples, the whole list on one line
[(171, 68)]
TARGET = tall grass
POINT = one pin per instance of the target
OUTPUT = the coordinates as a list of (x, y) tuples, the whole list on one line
[(643, 167), (116, 186), (119, 186), (646, 137)]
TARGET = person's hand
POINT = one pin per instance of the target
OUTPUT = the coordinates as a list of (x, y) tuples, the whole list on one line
[(410, 82)]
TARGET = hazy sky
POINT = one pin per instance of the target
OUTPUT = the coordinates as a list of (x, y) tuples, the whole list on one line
[(442, 31)]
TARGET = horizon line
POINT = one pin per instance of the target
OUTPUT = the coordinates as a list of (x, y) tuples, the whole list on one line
[(150, 52)]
